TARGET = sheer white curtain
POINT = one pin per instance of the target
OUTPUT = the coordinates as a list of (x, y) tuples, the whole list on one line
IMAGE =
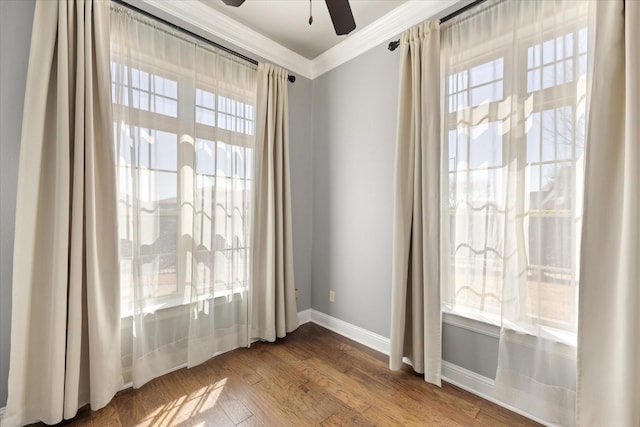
[(184, 136), (516, 78), (416, 319), (609, 342), (65, 342), (274, 311)]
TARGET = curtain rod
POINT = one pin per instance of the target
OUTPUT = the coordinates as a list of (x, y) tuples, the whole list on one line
[(394, 44), (291, 77)]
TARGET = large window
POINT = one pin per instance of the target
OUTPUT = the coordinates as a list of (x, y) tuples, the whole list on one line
[(185, 166), (514, 132)]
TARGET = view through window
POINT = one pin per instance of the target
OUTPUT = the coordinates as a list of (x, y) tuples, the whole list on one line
[(515, 134), (185, 167)]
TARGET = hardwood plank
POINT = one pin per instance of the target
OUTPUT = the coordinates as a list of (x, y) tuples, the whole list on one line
[(130, 410), (370, 368), (107, 416), (364, 391), (236, 410), (251, 422), (408, 394), (342, 419), (311, 377)]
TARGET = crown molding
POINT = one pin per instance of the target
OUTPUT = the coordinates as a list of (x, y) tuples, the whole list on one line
[(390, 25), (212, 22), (207, 19)]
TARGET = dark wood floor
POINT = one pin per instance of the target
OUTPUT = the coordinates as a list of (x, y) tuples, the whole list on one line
[(312, 377)]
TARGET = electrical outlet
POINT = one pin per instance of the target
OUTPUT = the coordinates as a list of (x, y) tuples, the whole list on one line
[(297, 293), (332, 296)]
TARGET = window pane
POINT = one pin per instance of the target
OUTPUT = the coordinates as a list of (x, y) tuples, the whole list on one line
[(223, 160), (534, 186), (205, 157), (238, 161), (557, 134), (486, 93), (140, 99), (205, 107), (166, 87), (482, 83), (158, 187), (249, 163), (165, 106), (458, 145), (551, 63), (164, 148), (204, 116), (486, 145), (139, 79), (205, 99), (487, 72), (532, 129)]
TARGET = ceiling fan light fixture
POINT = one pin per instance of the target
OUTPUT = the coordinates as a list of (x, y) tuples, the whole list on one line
[(234, 3), (341, 16), (339, 10)]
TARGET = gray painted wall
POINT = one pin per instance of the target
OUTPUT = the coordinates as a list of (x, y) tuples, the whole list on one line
[(471, 350), (354, 128), (16, 17), (354, 119), (300, 125)]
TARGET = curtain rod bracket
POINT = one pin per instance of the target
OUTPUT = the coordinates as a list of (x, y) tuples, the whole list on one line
[(393, 45)]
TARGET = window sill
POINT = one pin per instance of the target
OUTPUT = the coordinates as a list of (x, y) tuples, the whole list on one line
[(176, 301), (490, 326), (482, 326)]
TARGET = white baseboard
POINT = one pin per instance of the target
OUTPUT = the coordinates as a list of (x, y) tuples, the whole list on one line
[(356, 333), (453, 374), (480, 386), (304, 316), (468, 380)]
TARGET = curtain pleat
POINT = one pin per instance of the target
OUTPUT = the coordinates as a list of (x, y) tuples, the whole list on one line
[(608, 340), (65, 321), (415, 306), (273, 302)]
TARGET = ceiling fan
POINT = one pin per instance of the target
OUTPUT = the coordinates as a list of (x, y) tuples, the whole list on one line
[(339, 10)]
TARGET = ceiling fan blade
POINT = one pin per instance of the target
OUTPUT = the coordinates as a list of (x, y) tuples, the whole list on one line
[(341, 16), (234, 3)]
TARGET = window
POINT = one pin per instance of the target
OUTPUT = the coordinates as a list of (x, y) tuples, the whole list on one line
[(185, 165), (514, 132)]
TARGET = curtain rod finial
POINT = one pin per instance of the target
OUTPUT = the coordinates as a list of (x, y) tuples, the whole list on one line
[(393, 45), (292, 78)]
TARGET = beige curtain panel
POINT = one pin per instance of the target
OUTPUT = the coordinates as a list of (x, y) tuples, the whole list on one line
[(416, 330), (273, 310), (608, 341), (65, 336)]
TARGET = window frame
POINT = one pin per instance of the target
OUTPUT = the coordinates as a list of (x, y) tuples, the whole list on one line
[(185, 112), (511, 52)]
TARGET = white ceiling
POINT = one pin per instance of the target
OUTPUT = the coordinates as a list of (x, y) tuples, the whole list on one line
[(278, 30), (287, 21)]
